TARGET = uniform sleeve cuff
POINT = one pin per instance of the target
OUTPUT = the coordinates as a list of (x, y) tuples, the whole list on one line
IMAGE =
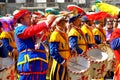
[(63, 62), (1, 44), (46, 23), (13, 50)]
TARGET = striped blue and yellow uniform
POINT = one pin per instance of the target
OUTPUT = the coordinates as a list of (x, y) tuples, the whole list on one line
[(89, 35), (99, 35), (60, 52), (77, 40)]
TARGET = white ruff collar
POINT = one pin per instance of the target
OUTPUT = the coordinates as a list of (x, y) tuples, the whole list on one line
[(60, 30)]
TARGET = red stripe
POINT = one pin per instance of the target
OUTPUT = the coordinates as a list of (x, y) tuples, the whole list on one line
[(31, 73), (32, 77)]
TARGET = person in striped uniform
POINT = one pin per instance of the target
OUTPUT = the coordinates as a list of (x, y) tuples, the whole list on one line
[(87, 30), (99, 33), (115, 45), (32, 63), (77, 39), (59, 51)]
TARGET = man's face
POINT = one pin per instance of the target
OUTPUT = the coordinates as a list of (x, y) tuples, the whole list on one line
[(115, 21), (36, 19), (102, 24), (77, 22), (109, 25), (27, 19), (0, 29), (62, 24)]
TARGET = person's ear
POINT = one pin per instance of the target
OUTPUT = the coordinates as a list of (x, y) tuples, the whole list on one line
[(21, 19)]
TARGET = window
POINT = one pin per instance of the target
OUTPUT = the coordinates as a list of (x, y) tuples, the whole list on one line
[(30, 1), (68, 0), (2, 0), (11, 1), (50, 0)]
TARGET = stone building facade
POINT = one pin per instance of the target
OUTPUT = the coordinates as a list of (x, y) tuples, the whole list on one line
[(8, 6)]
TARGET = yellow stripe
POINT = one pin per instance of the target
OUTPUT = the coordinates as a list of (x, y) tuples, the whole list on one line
[(27, 59), (102, 79), (54, 64), (58, 68), (63, 74)]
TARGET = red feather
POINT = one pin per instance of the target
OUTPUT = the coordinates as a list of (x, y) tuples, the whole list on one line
[(98, 16), (72, 7)]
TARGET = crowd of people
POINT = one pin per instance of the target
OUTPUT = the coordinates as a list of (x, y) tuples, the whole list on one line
[(40, 45)]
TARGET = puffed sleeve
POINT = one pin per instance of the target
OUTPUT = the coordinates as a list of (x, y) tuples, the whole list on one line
[(54, 52), (97, 39), (3, 51), (87, 38), (73, 44), (115, 43), (5, 42), (26, 32)]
